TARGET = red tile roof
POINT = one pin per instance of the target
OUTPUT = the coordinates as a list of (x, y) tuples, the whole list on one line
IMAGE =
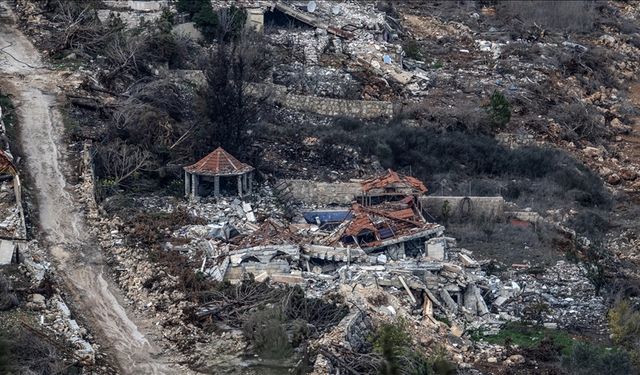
[(393, 179), (219, 163)]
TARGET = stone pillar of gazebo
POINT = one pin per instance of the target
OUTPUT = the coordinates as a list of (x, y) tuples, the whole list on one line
[(195, 181), (187, 183), (216, 186)]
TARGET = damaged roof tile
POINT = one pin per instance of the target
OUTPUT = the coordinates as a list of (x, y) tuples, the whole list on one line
[(394, 180)]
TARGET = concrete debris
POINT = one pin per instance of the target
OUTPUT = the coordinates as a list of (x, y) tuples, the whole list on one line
[(428, 277)]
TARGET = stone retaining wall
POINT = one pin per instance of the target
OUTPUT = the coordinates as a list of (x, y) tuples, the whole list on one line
[(364, 109)]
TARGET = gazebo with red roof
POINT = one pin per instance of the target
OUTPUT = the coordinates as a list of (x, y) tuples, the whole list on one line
[(211, 168)]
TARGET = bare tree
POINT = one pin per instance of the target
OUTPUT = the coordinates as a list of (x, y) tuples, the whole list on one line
[(29, 353), (121, 161), (81, 28), (124, 52)]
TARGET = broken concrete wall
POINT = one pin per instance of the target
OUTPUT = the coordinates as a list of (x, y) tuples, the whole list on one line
[(463, 207), (256, 268), (264, 254), (436, 248), (324, 193)]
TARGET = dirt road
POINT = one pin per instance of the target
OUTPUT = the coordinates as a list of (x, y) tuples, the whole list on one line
[(77, 256)]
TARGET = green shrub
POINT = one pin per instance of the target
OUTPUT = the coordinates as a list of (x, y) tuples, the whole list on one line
[(624, 323), (499, 109), (525, 336), (206, 20), (391, 340), (412, 49), (400, 357), (265, 329), (225, 25)]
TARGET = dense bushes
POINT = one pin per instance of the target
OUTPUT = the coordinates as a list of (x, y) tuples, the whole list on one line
[(562, 16), (624, 322), (580, 121), (461, 157), (266, 330), (274, 320), (586, 359), (161, 123)]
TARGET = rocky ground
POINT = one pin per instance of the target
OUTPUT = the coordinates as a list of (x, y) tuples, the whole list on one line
[(571, 90)]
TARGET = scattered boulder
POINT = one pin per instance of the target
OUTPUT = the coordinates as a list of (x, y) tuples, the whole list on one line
[(614, 179), (593, 152)]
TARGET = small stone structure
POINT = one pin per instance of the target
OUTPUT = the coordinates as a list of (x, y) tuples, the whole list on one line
[(220, 168)]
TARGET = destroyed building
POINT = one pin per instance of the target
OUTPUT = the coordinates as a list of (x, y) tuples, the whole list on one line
[(218, 173), (398, 229), (394, 229)]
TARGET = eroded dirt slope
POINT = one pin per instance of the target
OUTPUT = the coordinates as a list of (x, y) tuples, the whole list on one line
[(74, 251)]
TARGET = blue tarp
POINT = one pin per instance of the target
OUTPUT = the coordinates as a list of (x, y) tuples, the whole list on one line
[(325, 217)]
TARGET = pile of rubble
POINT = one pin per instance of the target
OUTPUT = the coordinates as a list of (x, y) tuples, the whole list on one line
[(384, 258), (570, 298), (54, 314)]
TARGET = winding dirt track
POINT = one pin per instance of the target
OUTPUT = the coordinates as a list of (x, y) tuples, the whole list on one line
[(75, 253)]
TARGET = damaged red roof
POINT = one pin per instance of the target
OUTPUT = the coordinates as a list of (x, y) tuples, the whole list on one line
[(393, 179), (6, 164), (365, 218), (219, 163)]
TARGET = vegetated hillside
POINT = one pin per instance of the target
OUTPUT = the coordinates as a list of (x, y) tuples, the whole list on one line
[(531, 100), (552, 78)]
